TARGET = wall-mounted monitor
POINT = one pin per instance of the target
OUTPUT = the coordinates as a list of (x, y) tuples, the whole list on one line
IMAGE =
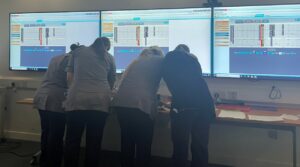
[(130, 31), (36, 37), (257, 42)]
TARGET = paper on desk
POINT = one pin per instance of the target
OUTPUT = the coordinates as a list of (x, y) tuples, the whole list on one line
[(265, 118), (290, 117), (232, 114)]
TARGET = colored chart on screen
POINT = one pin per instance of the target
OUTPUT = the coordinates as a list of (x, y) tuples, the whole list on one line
[(130, 31), (257, 42), (37, 37)]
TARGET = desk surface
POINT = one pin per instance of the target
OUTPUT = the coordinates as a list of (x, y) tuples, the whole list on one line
[(28, 101), (279, 112)]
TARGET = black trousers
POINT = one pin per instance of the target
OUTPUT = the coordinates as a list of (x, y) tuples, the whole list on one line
[(77, 121), (53, 129), (184, 124), (136, 136)]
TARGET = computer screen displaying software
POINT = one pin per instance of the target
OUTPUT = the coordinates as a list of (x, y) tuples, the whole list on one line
[(130, 31), (257, 41), (37, 37)]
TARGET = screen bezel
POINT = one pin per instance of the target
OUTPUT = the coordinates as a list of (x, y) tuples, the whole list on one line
[(41, 12), (211, 75), (248, 76)]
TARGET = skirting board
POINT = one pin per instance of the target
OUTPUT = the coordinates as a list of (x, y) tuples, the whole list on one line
[(22, 136)]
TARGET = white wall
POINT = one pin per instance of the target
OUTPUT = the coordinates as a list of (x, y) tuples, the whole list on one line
[(241, 147)]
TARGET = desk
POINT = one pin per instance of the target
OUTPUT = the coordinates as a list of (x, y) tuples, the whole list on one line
[(286, 125), (27, 101)]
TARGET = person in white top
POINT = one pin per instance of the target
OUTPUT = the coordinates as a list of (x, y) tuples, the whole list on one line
[(48, 100), (135, 103), (91, 72)]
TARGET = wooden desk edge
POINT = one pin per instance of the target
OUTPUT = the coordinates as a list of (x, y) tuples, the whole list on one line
[(28, 101)]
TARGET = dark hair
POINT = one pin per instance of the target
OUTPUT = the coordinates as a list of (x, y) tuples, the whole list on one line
[(101, 45), (182, 47), (74, 46), (106, 43)]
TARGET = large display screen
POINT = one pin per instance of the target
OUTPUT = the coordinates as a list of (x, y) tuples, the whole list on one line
[(257, 42), (36, 37), (131, 31)]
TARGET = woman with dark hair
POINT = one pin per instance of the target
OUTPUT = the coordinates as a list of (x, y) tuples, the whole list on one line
[(192, 108), (91, 75), (48, 100)]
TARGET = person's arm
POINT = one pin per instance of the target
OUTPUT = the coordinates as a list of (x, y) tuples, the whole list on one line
[(196, 63), (70, 70), (207, 100), (69, 78), (112, 73), (124, 74)]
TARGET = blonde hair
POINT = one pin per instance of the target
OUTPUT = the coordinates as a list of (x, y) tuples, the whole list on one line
[(152, 51)]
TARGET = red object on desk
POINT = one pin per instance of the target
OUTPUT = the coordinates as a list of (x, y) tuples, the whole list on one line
[(234, 107)]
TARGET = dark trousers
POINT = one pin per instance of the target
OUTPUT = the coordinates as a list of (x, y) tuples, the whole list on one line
[(77, 121), (184, 124), (53, 129), (136, 136)]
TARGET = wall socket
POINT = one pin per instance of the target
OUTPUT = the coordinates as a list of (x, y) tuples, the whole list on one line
[(232, 95)]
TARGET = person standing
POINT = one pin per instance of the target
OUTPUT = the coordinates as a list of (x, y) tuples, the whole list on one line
[(91, 72), (48, 100), (136, 103), (192, 108)]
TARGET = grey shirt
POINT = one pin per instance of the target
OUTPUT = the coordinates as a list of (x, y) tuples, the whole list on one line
[(139, 85), (93, 78), (51, 94)]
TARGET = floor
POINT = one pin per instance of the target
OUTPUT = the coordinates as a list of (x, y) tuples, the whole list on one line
[(19, 154)]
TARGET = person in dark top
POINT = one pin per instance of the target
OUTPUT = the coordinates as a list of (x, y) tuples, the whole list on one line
[(48, 100), (192, 108)]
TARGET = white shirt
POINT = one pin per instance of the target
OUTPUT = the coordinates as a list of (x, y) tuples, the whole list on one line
[(51, 93), (139, 84), (93, 76)]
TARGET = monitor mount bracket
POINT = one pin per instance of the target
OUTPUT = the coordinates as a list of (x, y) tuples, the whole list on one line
[(212, 3)]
